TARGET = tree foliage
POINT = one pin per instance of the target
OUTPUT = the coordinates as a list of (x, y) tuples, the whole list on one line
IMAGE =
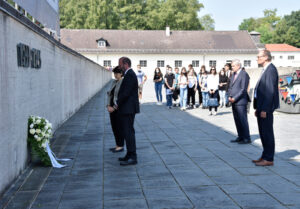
[(131, 14), (207, 22), (274, 29)]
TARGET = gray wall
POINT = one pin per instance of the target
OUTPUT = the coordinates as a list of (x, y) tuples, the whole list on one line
[(64, 83)]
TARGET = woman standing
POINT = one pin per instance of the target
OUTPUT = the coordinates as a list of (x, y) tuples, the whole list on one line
[(192, 87), (182, 82), (158, 80), (204, 89), (223, 82), (113, 114), (202, 69), (212, 85)]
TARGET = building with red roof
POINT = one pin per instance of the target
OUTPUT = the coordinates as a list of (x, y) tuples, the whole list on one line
[(284, 55)]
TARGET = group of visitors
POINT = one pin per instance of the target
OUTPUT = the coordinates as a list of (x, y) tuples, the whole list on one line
[(182, 85), (230, 85)]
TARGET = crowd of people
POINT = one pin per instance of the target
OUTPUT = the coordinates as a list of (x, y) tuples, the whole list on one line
[(229, 87), (183, 85)]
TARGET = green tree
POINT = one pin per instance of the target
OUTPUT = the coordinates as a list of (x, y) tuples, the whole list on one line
[(248, 24), (130, 14), (207, 22)]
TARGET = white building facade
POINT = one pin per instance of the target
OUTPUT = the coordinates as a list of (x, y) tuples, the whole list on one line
[(284, 55)]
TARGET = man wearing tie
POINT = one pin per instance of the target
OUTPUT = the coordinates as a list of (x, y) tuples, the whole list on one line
[(128, 106), (266, 100), (239, 99)]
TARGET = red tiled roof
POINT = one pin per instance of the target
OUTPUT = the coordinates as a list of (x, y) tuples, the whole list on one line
[(281, 48)]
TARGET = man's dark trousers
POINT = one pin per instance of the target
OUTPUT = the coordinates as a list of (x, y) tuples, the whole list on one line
[(241, 121), (267, 137), (128, 132)]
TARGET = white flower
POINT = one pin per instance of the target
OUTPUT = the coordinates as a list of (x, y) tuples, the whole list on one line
[(49, 131), (46, 127), (50, 125), (31, 125), (44, 145), (32, 131), (38, 121), (39, 139), (36, 136), (38, 131)]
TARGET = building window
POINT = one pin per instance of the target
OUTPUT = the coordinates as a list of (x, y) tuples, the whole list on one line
[(195, 63), (291, 57), (273, 57), (212, 63), (160, 63), (280, 57), (178, 63), (228, 61), (107, 63), (143, 63), (247, 63), (101, 44)]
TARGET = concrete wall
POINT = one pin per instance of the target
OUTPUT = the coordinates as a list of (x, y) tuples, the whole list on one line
[(65, 82)]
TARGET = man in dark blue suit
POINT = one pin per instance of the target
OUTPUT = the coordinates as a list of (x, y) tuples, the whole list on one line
[(238, 96), (266, 100), (128, 106)]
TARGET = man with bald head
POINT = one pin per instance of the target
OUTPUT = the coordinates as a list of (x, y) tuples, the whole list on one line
[(238, 96), (128, 106)]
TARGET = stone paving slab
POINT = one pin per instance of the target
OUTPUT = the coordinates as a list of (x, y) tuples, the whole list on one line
[(185, 160)]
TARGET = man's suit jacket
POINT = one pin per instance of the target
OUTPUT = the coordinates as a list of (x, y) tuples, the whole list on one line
[(238, 88), (128, 101), (267, 96)]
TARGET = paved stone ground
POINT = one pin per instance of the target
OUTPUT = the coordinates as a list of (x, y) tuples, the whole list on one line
[(185, 161)]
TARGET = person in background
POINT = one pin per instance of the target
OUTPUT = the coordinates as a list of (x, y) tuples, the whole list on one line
[(158, 82), (202, 69), (142, 78), (176, 91), (112, 96), (212, 86), (183, 82), (228, 73), (203, 86), (192, 88), (169, 85), (223, 82)]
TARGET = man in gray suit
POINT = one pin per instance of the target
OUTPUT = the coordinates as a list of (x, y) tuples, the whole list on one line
[(239, 99)]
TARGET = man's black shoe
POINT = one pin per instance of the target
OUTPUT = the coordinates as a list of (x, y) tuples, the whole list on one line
[(236, 140), (130, 161), (124, 158), (248, 141)]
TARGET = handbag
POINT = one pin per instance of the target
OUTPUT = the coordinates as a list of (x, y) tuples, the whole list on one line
[(213, 102)]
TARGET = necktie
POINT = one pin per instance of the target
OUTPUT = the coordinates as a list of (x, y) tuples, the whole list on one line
[(235, 75)]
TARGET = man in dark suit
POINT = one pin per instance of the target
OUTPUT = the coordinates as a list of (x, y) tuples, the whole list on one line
[(239, 99), (128, 106), (266, 100)]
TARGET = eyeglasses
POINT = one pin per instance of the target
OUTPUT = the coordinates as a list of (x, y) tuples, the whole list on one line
[(259, 56)]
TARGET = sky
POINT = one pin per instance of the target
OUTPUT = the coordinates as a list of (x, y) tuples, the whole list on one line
[(228, 14)]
